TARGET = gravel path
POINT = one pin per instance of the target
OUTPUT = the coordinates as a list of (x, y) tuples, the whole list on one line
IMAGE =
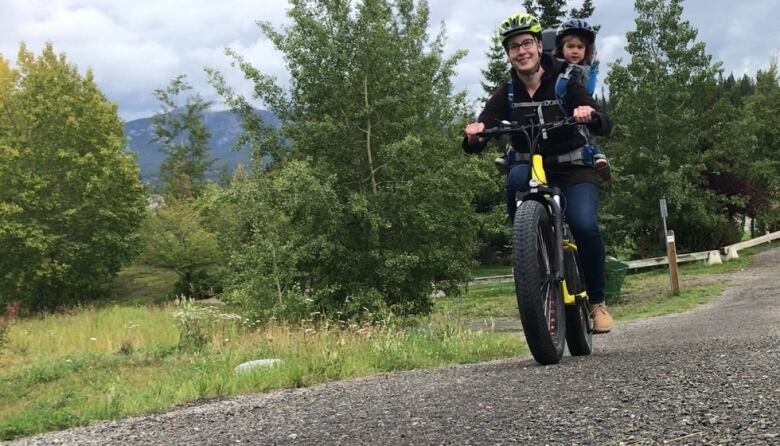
[(709, 376)]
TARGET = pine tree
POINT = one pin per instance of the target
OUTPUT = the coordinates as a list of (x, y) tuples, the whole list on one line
[(549, 12), (497, 72), (755, 147), (583, 12), (552, 12)]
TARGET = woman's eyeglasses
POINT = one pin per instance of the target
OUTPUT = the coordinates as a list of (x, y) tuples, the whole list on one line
[(526, 44)]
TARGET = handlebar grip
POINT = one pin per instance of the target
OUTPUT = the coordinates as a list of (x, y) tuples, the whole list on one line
[(494, 131), (595, 118), (488, 132)]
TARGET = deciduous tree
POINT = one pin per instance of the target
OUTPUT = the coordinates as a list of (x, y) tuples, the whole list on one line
[(661, 104), (371, 111), (173, 236), (184, 138), (70, 198)]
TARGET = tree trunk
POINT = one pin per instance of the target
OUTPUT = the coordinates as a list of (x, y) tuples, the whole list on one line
[(371, 170), (276, 275)]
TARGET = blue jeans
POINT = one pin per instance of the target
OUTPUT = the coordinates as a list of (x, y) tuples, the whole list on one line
[(581, 210)]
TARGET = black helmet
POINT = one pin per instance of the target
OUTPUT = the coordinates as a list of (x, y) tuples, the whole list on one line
[(575, 27)]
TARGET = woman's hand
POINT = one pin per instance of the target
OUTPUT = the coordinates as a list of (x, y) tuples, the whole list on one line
[(582, 114), (471, 133)]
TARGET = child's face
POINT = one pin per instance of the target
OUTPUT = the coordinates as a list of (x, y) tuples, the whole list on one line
[(573, 49)]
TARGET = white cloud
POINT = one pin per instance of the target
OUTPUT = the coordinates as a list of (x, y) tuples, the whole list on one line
[(136, 46), (611, 47)]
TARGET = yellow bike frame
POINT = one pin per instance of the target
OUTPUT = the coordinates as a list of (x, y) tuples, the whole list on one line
[(537, 169), (568, 298), (538, 174)]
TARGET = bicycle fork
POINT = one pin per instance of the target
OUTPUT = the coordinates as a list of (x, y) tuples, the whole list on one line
[(562, 245), (552, 197)]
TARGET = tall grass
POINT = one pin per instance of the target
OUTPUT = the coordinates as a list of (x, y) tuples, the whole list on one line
[(91, 330), (7, 317), (67, 370)]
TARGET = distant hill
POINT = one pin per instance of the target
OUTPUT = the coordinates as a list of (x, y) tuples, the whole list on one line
[(224, 126)]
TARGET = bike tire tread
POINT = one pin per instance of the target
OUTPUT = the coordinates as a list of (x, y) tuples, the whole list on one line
[(529, 219)]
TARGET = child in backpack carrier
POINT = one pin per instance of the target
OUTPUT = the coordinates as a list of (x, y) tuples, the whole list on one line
[(575, 43)]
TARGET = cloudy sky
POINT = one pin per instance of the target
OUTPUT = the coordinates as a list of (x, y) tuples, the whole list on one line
[(136, 46)]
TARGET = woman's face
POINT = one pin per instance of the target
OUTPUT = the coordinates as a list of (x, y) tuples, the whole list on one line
[(524, 51), (573, 49)]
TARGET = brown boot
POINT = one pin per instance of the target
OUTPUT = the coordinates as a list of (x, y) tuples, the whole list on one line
[(602, 321)]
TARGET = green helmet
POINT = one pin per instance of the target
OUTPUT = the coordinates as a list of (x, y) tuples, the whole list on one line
[(519, 23)]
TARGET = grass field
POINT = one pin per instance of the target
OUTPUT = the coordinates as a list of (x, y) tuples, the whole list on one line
[(66, 370), (644, 293), (491, 270)]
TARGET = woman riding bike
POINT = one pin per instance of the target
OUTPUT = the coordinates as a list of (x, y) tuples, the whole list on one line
[(529, 97)]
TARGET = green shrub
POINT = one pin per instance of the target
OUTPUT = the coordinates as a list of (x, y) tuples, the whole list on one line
[(199, 323), (173, 236)]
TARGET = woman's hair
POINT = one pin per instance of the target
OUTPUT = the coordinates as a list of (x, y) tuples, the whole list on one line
[(590, 49)]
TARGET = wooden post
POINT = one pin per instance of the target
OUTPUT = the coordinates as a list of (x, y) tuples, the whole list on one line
[(671, 251)]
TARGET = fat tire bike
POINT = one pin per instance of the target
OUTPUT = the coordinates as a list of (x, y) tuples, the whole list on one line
[(549, 283)]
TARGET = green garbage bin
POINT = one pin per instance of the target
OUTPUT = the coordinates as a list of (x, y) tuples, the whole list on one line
[(616, 274)]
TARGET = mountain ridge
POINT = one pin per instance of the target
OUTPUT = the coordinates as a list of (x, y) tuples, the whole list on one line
[(224, 126)]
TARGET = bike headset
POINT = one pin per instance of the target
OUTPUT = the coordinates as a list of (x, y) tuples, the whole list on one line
[(533, 140)]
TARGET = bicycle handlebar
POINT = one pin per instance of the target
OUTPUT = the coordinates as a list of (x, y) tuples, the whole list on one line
[(513, 127)]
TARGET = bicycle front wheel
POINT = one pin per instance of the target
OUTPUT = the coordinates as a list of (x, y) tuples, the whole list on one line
[(539, 295)]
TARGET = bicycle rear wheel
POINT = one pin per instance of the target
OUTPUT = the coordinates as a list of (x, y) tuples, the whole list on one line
[(579, 334), (539, 296)]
